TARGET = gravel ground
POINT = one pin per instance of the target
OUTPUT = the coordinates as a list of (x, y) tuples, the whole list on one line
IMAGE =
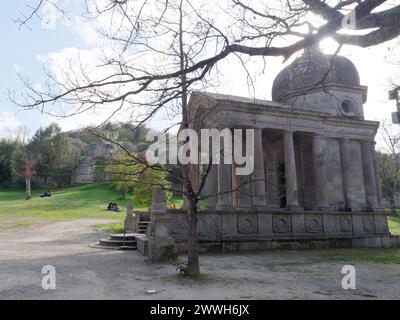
[(86, 273)]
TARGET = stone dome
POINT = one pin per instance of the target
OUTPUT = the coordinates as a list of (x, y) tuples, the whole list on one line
[(311, 69)]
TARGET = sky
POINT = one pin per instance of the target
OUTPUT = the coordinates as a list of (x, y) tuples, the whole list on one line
[(24, 50)]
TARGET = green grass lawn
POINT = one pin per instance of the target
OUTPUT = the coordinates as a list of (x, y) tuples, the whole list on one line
[(394, 225), (88, 201)]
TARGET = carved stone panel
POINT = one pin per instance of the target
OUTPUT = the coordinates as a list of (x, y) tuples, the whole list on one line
[(345, 224), (313, 223), (281, 224), (247, 224), (368, 224), (209, 226)]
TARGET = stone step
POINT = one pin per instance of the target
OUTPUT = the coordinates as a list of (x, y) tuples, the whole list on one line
[(120, 236), (99, 246), (142, 226), (117, 243)]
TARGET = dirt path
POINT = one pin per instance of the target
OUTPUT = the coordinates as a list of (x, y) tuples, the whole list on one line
[(86, 273)]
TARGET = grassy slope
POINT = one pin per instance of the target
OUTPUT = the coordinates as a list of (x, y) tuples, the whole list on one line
[(88, 201), (65, 204)]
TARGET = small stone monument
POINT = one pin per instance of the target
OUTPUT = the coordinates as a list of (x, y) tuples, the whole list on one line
[(161, 246), (130, 223)]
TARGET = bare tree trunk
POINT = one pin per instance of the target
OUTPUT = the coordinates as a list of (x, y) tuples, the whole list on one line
[(28, 188), (193, 248)]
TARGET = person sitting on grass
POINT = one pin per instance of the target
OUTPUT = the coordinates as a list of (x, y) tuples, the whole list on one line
[(112, 206), (46, 194)]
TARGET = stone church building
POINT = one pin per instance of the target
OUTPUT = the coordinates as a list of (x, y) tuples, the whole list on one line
[(315, 182)]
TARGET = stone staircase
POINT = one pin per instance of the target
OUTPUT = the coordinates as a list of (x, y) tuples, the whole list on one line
[(119, 242), (142, 226)]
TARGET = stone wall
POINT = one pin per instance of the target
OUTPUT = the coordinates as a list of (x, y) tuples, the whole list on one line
[(217, 228)]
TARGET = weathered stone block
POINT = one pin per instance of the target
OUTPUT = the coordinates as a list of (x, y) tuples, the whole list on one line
[(381, 224), (265, 225), (298, 226), (229, 229), (161, 250)]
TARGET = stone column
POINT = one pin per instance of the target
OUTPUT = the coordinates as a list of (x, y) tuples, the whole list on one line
[(367, 149), (292, 201), (211, 187), (346, 167), (224, 186), (243, 192), (377, 178), (258, 176), (320, 172)]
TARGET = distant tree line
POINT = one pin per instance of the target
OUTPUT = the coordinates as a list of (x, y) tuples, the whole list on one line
[(49, 155)]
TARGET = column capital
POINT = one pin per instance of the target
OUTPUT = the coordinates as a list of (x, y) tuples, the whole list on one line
[(319, 135), (368, 142), (289, 131)]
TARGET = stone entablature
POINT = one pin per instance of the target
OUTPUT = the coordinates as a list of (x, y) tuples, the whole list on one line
[(221, 111)]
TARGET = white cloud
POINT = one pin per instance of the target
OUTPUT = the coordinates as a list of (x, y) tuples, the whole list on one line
[(10, 126), (50, 15)]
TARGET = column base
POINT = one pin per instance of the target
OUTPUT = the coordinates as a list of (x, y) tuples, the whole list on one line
[(265, 208), (294, 208), (323, 208), (221, 207), (373, 209)]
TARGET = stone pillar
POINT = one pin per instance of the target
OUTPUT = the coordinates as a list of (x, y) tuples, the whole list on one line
[(130, 223), (377, 178), (258, 176), (161, 246), (211, 187), (346, 167), (224, 186), (367, 148), (320, 172), (292, 201)]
